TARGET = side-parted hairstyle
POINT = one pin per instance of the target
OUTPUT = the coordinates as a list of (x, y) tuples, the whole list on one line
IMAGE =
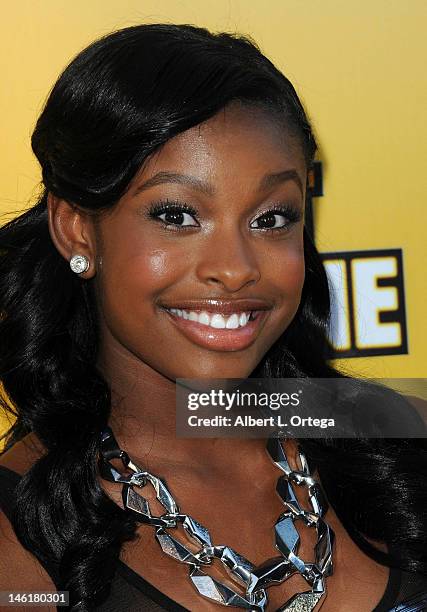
[(116, 103)]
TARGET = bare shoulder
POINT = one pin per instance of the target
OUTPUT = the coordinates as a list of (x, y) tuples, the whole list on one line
[(22, 456), (20, 570)]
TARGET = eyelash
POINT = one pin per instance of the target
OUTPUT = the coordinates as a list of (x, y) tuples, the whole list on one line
[(292, 214)]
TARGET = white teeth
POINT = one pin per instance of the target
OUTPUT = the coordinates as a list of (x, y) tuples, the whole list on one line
[(203, 318), (215, 320), (233, 322)]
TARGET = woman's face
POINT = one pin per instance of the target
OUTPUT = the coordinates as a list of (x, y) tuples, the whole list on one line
[(217, 249)]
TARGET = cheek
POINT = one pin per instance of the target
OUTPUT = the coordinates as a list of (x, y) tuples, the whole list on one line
[(133, 275), (289, 267), (293, 275), (132, 283), (289, 276)]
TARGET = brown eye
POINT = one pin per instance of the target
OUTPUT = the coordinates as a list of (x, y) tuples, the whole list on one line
[(175, 214), (176, 217), (276, 219), (270, 221)]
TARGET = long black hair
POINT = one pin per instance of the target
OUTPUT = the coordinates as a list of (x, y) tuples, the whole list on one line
[(117, 102)]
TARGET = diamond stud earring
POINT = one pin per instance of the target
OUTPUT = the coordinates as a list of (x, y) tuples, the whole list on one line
[(79, 264)]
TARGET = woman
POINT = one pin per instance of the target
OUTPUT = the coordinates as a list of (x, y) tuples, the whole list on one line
[(174, 167)]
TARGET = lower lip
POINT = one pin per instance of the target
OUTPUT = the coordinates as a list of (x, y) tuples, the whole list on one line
[(219, 339)]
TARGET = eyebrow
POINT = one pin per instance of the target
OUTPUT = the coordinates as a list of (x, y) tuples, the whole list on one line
[(267, 182), (173, 177), (271, 180)]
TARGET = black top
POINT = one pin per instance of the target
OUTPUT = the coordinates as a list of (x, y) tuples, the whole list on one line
[(130, 592)]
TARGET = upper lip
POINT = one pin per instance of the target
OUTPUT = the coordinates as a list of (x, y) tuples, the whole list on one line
[(220, 305)]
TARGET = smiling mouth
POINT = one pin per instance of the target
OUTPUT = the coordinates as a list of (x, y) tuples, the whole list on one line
[(216, 320), (217, 331)]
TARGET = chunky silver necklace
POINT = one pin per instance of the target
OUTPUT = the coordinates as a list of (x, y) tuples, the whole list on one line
[(254, 580)]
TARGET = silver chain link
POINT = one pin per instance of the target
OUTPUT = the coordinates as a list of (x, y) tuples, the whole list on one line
[(254, 580)]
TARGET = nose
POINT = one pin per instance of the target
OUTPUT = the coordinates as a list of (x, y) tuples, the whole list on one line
[(228, 261)]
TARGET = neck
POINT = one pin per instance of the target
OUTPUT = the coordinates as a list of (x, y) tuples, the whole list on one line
[(143, 419)]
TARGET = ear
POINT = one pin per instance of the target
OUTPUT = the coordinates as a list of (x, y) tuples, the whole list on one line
[(72, 231)]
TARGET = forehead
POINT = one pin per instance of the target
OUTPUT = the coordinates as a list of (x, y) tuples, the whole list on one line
[(237, 144)]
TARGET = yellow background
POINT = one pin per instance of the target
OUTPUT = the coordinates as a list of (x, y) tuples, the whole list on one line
[(359, 68)]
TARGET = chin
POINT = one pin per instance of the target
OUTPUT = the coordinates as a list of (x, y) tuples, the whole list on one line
[(212, 371)]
